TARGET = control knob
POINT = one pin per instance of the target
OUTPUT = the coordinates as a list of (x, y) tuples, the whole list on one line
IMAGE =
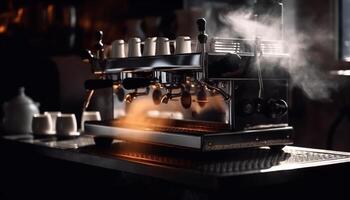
[(275, 108)]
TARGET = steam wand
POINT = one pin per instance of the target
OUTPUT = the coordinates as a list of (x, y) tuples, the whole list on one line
[(88, 96), (257, 54), (226, 96), (91, 85), (202, 38)]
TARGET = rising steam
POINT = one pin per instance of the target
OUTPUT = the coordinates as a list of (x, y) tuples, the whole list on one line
[(304, 69)]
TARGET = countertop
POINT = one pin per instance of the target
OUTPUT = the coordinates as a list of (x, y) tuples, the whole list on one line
[(215, 171)]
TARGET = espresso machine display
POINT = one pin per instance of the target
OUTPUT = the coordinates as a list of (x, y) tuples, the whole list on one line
[(209, 94)]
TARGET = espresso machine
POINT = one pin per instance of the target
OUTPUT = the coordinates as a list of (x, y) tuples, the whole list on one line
[(227, 93)]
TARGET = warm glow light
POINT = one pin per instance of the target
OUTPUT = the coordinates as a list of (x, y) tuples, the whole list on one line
[(50, 13), (165, 114), (85, 23), (3, 29), (19, 16), (140, 111), (116, 86)]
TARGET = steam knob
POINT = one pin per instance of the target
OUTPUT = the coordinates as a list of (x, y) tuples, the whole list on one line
[(202, 37), (259, 105), (276, 108), (201, 23), (246, 108)]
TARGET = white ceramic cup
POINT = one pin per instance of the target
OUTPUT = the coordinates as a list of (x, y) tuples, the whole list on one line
[(183, 45), (66, 124), (134, 45), (89, 116), (162, 46), (53, 116), (118, 49), (42, 124), (149, 48)]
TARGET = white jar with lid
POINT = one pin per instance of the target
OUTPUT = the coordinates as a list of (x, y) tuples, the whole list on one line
[(18, 114)]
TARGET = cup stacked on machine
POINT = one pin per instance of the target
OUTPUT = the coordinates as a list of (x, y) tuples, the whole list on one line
[(163, 46), (134, 46), (183, 45), (151, 46), (118, 49)]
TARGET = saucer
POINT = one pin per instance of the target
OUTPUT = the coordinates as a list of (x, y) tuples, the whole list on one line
[(68, 135), (44, 134)]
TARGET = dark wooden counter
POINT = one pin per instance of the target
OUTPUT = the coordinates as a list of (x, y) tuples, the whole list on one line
[(141, 170)]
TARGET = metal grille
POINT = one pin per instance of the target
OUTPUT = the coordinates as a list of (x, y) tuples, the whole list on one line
[(238, 161), (245, 46), (299, 156)]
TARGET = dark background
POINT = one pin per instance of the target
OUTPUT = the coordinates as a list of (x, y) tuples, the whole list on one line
[(41, 43)]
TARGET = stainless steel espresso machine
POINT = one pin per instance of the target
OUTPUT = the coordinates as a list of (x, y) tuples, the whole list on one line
[(228, 93)]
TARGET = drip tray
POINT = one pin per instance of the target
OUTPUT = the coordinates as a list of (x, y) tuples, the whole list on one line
[(202, 136), (170, 125)]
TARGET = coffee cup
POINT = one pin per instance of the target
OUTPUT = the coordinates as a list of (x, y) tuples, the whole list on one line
[(42, 124), (66, 124), (162, 46), (134, 45), (53, 116), (183, 45), (118, 49), (149, 48)]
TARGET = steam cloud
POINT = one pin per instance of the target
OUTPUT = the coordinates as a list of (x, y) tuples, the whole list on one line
[(304, 68)]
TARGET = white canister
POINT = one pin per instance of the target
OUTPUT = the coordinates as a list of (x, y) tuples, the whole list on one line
[(18, 114)]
